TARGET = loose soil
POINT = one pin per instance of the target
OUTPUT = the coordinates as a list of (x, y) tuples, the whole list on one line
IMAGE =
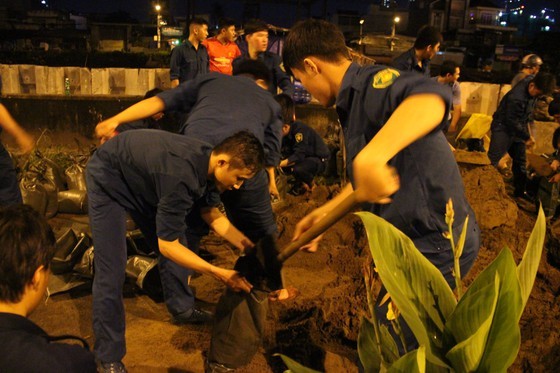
[(319, 327)]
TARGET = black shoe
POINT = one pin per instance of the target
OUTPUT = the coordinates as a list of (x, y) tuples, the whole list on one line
[(114, 367), (193, 316)]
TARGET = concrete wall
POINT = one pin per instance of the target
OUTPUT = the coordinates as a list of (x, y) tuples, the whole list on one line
[(44, 80)]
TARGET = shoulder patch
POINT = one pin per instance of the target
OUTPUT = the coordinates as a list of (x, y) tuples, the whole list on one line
[(299, 137), (385, 78)]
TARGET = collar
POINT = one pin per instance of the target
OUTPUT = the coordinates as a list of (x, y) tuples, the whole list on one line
[(343, 98), (10, 321)]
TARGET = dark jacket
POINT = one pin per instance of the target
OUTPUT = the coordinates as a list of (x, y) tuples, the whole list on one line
[(303, 142), (25, 347), (279, 77), (515, 111), (408, 62)]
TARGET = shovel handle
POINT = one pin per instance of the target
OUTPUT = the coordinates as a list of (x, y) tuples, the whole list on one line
[(337, 213)]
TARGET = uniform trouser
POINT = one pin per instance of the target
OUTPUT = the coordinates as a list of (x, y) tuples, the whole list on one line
[(437, 250), (108, 225), (240, 317), (9, 188), (500, 143), (306, 170)]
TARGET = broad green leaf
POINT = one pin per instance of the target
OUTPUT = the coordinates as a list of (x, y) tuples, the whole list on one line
[(367, 347), (504, 337), (527, 269), (413, 362), (294, 366), (417, 287), (469, 330)]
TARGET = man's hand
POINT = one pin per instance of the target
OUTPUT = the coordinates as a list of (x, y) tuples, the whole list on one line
[(273, 190), (555, 165), (531, 142), (234, 280), (106, 130), (375, 183), (555, 178), (304, 224), (26, 142)]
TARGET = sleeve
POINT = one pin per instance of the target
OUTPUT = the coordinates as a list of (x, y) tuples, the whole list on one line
[(515, 115), (401, 62), (183, 97), (175, 64), (172, 209), (273, 136), (298, 151), (283, 80), (136, 125), (456, 94)]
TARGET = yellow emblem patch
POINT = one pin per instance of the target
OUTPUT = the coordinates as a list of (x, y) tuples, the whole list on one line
[(385, 78), (299, 137)]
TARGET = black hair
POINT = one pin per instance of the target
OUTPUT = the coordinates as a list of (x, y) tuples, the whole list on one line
[(254, 68), (288, 107), (225, 23), (545, 82), (199, 21), (255, 25), (448, 67), (245, 149), (26, 243), (427, 35), (313, 37), (555, 138)]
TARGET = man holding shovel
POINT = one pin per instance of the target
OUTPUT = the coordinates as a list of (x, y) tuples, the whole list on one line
[(398, 160)]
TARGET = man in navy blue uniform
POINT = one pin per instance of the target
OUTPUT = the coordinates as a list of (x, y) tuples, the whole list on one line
[(157, 177), (418, 57), (304, 153), (510, 126), (190, 59), (256, 35), (219, 105), (398, 159), (27, 246)]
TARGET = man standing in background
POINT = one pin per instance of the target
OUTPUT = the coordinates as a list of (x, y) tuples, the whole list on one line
[(418, 57), (449, 75), (221, 48), (190, 59), (256, 35)]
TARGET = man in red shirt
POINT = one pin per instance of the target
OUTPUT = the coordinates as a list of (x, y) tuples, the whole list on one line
[(222, 49)]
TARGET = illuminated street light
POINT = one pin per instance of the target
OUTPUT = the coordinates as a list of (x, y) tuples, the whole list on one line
[(394, 31), (158, 10), (361, 29)]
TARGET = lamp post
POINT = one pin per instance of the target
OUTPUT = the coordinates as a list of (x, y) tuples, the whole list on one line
[(158, 10), (393, 31), (361, 29)]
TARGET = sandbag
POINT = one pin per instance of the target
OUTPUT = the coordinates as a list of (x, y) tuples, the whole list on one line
[(73, 201), (54, 173), (34, 195), (52, 198), (144, 271), (69, 250), (75, 176), (84, 267)]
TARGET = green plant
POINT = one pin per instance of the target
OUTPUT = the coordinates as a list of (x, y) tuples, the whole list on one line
[(479, 332)]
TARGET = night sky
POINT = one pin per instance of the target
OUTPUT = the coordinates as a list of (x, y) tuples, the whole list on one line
[(277, 14)]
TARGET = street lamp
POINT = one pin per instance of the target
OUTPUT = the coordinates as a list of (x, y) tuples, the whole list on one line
[(361, 29), (158, 9), (393, 31)]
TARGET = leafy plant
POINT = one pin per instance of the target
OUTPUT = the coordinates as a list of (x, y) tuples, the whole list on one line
[(477, 332)]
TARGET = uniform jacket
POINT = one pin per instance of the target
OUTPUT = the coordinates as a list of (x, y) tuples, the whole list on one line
[(302, 142), (279, 77), (408, 62), (186, 62), (515, 111)]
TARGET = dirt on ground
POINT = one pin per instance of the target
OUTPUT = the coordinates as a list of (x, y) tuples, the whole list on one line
[(319, 328)]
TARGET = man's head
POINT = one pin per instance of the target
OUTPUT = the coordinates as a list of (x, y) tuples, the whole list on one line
[(236, 159), (428, 41), (256, 70), (256, 35), (27, 246), (450, 71), (531, 63), (288, 112), (542, 84), (312, 43), (226, 30), (198, 29)]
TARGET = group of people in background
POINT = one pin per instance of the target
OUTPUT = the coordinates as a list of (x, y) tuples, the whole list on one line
[(237, 132)]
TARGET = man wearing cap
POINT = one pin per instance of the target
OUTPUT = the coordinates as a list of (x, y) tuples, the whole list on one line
[(530, 65), (256, 36)]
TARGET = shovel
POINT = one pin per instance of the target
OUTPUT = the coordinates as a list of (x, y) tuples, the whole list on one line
[(262, 266)]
